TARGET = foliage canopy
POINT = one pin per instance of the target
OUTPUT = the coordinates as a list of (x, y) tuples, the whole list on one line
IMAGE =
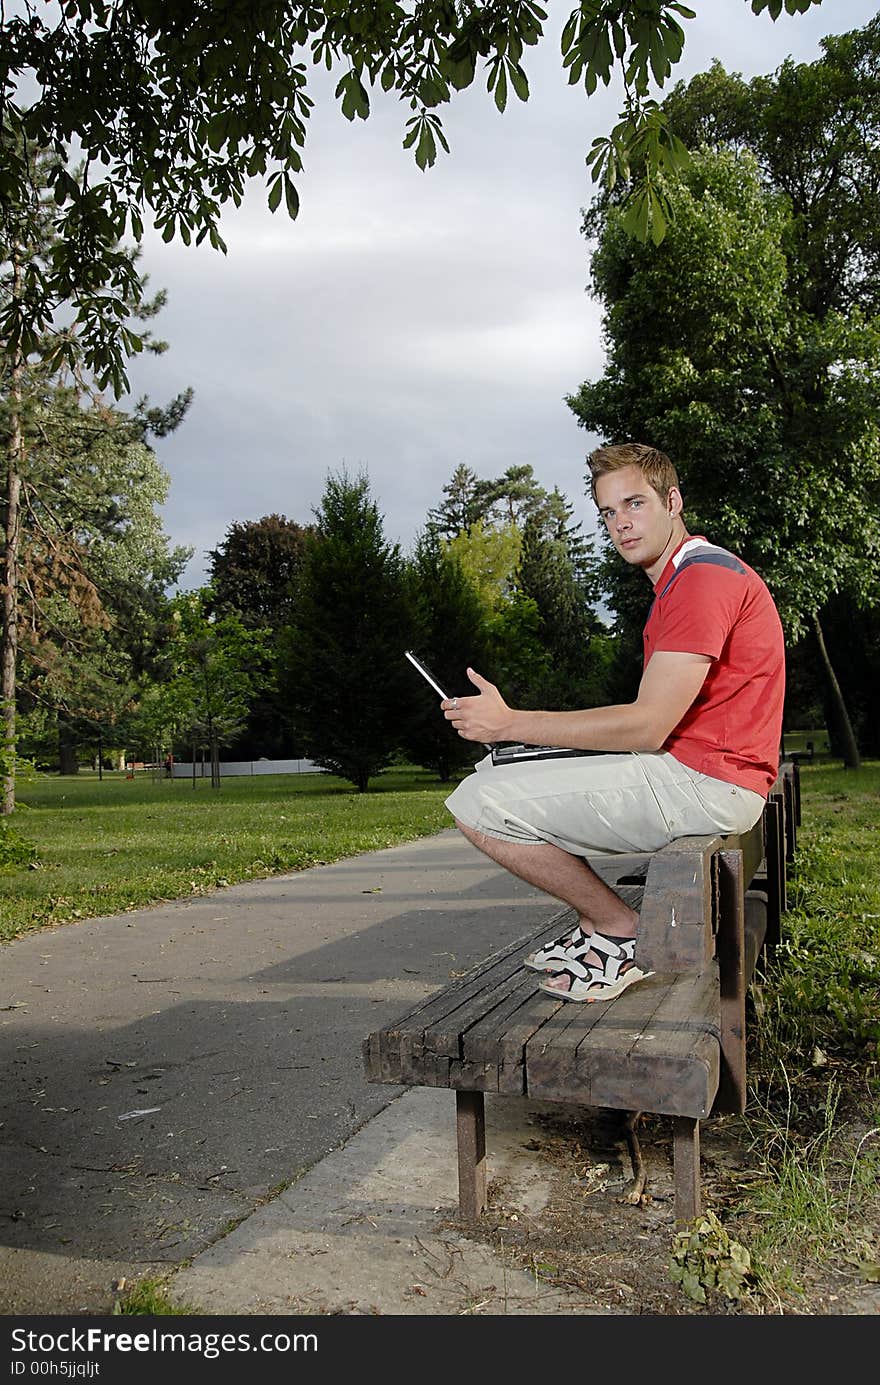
[(174, 107)]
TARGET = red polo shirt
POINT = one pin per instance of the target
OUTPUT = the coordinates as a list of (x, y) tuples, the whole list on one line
[(707, 601)]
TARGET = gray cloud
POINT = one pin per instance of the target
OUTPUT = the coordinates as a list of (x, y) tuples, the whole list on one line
[(407, 321)]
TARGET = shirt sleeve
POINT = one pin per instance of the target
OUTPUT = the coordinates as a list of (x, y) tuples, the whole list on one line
[(698, 611)]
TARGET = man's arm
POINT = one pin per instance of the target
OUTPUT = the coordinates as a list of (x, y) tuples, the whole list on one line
[(669, 685)]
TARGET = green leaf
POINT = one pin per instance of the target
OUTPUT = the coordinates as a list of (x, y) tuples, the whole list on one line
[(275, 192), (658, 221), (501, 89), (426, 152), (693, 1288), (636, 214), (218, 128), (569, 32), (520, 82)]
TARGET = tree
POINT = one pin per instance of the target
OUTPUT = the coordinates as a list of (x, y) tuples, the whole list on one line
[(450, 632), (32, 372), (813, 129), (205, 694), (771, 414), (254, 569), (253, 573), (93, 564), (463, 506), (177, 106), (343, 673), (534, 573), (576, 644)]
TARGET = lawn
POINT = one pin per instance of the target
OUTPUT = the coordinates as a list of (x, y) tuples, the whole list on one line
[(110, 844)]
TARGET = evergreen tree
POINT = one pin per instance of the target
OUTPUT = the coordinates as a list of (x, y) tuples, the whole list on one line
[(463, 506), (535, 650), (450, 634), (343, 673), (573, 675)]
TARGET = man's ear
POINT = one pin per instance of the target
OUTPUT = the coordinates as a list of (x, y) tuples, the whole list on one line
[(674, 502)]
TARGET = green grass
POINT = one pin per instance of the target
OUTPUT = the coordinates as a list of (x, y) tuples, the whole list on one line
[(813, 1114), (149, 1298), (105, 846), (824, 989)]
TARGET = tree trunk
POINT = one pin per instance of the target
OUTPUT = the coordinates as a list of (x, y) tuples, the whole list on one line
[(68, 759), (9, 646), (851, 756)]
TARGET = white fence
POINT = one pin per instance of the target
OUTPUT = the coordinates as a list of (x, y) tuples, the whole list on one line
[(183, 769)]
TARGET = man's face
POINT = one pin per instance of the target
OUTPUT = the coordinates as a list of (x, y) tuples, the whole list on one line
[(641, 525)]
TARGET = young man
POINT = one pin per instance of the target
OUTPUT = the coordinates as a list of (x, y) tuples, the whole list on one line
[(695, 754)]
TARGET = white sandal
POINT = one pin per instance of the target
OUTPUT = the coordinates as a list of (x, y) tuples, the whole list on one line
[(603, 980), (555, 956)]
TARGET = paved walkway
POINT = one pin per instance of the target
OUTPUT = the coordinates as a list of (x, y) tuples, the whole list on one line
[(167, 1071)]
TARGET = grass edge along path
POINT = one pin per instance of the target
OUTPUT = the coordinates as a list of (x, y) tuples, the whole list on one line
[(107, 846)]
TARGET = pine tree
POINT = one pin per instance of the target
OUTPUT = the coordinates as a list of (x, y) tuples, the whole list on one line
[(343, 670), (451, 633)]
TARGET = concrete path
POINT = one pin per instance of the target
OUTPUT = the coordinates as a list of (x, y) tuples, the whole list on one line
[(166, 1073)]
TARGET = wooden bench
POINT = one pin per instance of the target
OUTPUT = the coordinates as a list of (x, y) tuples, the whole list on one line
[(675, 1044)]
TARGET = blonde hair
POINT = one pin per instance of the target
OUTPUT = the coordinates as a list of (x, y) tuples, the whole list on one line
[(654, 465)]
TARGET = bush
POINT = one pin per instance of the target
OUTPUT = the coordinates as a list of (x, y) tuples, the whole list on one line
[(15, 852)]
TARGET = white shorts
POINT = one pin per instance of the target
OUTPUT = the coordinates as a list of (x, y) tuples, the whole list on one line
[(601, 804)]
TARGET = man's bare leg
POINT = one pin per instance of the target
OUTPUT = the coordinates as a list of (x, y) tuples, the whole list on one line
[(565, 877)]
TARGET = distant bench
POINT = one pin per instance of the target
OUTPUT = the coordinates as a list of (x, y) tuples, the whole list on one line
[(675, 1044)]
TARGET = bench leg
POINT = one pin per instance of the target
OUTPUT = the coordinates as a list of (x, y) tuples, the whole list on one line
[(686, 1167), (470, 1121), (731, 967), (776, 893)]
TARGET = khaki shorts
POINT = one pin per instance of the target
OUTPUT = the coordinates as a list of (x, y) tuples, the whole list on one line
[(601, 804)]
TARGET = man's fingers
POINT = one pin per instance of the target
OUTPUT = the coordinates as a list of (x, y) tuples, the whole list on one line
[(479, 681)]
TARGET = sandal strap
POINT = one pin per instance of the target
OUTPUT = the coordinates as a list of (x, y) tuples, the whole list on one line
[(617, 955), (569, 946)]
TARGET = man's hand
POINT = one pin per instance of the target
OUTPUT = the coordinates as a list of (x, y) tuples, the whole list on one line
[(483, 718)]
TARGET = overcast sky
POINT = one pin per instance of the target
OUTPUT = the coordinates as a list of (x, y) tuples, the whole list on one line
[(409, 321)]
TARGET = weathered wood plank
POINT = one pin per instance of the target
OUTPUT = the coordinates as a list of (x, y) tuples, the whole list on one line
[(671, 1066), (675, 922), (755, 909), (618, 1058), (555, 1056)]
